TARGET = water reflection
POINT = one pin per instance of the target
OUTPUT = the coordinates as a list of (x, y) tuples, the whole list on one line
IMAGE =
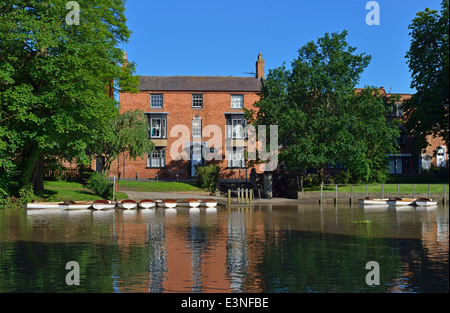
[(267, 248)]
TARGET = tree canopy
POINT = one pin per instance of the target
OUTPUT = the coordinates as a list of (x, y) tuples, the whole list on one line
[(55, 78), (428, 57), (321, 117)]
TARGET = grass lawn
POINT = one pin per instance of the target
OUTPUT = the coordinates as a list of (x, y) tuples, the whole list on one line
[(63, 190), (156, 186), (388, 188)]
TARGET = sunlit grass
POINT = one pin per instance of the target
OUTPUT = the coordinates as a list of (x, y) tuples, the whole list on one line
[(387, 188), (157, 186)]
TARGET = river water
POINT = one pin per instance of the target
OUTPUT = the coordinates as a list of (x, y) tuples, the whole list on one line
[(270, 248)]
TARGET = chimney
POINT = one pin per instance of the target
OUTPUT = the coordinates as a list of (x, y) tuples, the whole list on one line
[(260, 66), (125, 59)]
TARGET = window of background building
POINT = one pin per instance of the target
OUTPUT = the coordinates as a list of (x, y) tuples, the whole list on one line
[(157, 158), (236, 157), (158, 126), (238, 128), (197, 127), (156, 101), (237, 101), (197, 101)]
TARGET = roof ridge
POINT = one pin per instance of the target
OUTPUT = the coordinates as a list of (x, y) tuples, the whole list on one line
[(216, 76)]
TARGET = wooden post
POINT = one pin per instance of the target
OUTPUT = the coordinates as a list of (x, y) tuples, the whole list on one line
[(114, 188), (351, 193), (229, 196), (367, 190), (246, 196), (382, 191), (414, 191), (251, 196), (398, 190), (445, 195), (321, 192), (239, 195), (335, 200), (429, 193)]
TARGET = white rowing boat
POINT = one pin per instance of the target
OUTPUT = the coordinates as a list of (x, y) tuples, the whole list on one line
[(400, 201), (210, 203), (66, 205), (146, 203), (127, 204), (103, 205), (193, 203), (425, 202), (370, 201), (167, 203)]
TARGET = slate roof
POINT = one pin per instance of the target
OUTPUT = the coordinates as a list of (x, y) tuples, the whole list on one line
[(199, 83)]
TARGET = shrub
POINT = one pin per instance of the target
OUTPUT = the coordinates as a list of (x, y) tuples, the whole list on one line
[(26, 194), (208, 177), (100, 185)]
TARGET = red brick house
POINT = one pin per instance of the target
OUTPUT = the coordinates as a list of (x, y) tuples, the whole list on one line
[(193, 103)]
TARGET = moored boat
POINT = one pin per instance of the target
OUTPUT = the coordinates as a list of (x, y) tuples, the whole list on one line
[(425, 202), (42, 205), (193, 203), (75, 205), (167, 203), (210, 203), (400, 201), (66, 205), (146, 203), (103, 205), (370, 201), (127, 204)]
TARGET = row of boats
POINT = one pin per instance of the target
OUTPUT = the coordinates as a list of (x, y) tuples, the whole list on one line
[(394, 201), (127, 204)]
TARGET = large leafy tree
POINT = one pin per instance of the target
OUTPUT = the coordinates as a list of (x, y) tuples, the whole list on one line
[(428, 108), (320, 117), (55, 78)]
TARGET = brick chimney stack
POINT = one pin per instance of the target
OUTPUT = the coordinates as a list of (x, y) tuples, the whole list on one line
[(125, 59), (260, 66)]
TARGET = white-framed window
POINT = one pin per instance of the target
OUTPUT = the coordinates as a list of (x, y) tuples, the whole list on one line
[(158, 127), (197, 127), (237, 101), (236, 157), (157, 158), (238, 128), (441, 156), (397, 109), (197, 101), (156, 101)]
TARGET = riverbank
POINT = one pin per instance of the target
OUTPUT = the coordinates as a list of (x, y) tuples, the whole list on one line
[(63, 190)]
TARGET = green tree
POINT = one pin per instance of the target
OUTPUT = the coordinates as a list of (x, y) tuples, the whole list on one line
[(55, 78), (428, 108), (127, 132), (320, 117)]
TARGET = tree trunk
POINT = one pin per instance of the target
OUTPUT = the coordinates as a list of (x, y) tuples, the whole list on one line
[(28, 165), (37, 177)]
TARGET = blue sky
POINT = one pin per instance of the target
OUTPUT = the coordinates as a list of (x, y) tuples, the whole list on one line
[(223, 38)]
